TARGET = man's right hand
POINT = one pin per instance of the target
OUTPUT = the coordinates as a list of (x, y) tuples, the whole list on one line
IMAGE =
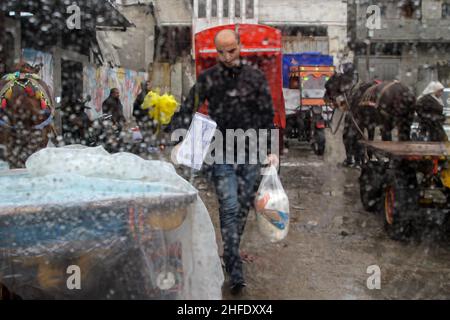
[(273, 160)]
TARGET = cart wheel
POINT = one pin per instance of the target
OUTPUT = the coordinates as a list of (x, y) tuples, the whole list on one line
[(371, 185), (399, 199), (319, 142)]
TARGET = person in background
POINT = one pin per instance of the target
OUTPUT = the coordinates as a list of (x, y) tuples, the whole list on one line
[(430, 111), (142, 117), (113, 106)]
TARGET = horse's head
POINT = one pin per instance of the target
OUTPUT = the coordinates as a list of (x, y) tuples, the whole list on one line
[(333, 91), (25, 67), (337, 89)]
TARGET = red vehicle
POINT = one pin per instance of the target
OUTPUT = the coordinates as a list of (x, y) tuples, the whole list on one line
[(262, 46)]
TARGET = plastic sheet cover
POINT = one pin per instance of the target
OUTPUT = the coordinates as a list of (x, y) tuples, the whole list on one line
[(79, 223)]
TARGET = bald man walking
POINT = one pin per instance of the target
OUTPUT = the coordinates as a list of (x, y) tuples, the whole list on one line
[(238, 97)]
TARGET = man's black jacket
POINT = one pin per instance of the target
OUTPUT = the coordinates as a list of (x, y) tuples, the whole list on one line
[(430, 110), (114, 107), (140, 114), (238, 98)]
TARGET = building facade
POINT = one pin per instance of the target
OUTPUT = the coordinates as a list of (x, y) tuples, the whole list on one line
[(63, 50), (410, 43), (170, 26), (306, 25)]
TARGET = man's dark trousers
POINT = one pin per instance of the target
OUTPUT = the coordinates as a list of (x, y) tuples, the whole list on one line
[(235, 188)]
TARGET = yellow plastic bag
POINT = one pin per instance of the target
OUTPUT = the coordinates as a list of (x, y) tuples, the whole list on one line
[(160, 108)]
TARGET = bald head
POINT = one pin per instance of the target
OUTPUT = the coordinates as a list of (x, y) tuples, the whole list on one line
[(228, 47), (226, 36)]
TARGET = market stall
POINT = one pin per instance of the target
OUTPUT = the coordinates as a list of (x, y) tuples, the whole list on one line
[(127, 227)]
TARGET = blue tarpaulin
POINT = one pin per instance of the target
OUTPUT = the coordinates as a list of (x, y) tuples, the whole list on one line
[(303, 59)]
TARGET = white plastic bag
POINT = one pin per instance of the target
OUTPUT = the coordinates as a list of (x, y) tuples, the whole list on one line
[(195, 145), (272, 207)]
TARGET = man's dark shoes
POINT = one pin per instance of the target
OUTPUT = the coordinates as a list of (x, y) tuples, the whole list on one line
[(237, 287), (357, 165), (348, 163)]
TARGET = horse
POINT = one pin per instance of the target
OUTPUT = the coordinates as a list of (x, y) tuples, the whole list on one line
[(389, 104), (26, 115)]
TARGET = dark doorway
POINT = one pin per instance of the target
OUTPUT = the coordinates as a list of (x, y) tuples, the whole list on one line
[(72, 90), (172, 42), (71, 80), (6, 53)]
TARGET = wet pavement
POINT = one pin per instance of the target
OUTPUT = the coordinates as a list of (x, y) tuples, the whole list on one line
[(332, 241)]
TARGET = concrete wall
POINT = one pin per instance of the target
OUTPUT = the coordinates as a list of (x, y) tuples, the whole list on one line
[(175, 79), (338, 43), (12, 27), (173, 12), (307, 12), (328, 13), (188, 74), (135, 47), (58, 55), (430, 27), (294, 44), (416, 66), (431, 9)]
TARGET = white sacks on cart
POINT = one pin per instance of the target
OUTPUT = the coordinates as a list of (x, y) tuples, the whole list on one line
[(272, 207)]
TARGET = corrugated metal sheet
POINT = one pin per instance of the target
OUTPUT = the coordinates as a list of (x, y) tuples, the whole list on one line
[(306, 44)]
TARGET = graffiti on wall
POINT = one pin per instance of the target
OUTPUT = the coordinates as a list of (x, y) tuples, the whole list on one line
[(97, 82)]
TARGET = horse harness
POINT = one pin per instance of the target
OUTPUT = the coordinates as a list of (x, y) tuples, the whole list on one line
[(32, 86), (371, 99), (368, 100)]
